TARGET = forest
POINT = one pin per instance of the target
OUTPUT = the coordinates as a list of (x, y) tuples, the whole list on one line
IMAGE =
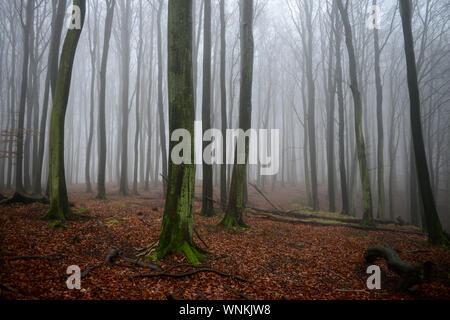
[(224, 150)]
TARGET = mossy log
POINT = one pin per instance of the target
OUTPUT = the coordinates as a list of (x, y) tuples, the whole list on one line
[(20, 198), (411, 274)]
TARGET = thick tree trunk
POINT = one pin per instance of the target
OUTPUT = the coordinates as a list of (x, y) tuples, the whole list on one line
[(177, 227), (101, 190), (433, 224), (59, 8), (59, 203)]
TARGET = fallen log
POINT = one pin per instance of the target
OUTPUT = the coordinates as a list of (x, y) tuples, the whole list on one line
[(325, 224), (296, 214), (411, 274), (20, 198)]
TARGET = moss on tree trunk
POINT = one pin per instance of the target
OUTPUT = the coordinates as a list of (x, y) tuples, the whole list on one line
[(236, 202), (59, 203), (177, 228)]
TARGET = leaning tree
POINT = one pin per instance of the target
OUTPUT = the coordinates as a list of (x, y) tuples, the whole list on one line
[(59, 202)]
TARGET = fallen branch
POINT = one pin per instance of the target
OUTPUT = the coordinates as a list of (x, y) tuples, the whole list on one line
[(198, 236), (190, 273), (142, 264), (264, 196), (241, 295), (410, 274)]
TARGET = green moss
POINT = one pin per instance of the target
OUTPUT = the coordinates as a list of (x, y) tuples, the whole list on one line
[(82, 211), (55, 224)]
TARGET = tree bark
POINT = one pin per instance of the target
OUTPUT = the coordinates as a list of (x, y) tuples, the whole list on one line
[(177, 226), (433, 224), (59, 203), (234, 213), (360, 144), (101, 189)]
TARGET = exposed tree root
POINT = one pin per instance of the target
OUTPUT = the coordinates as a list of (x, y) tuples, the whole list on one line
[(190, 273), (324, 224), (7, 288), (112, 255), (241, 295), (20, 198), (411, 274)]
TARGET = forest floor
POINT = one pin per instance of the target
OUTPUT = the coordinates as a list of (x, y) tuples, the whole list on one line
[(280, 260)]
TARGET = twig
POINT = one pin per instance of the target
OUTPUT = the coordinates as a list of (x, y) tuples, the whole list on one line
[(198, 236), (264, 196), (142, 264), (190, 273)]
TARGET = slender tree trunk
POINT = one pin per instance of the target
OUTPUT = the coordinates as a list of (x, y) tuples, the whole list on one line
[(340, 98), (101, 189), (125, 57), (162, 126), (433, 224), (27, 27), (234, 212), (223, 102), (138, 100), (360, 144), (207, 191)]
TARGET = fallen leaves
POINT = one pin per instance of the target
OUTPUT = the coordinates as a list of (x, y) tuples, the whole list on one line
[(280, 260)]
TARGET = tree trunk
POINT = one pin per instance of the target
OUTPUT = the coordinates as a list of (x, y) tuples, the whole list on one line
[(207, 190), (177, 227), (360, 144), (162, 126), (340, 98), (223, 101), (234, 212), (50, 83), (59, 203), (125, 56), (433, 224), (27, 27)]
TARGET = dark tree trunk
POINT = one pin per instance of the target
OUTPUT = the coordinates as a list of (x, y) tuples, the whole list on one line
[(207, 198), (433, 224), (177, 227), (234, 212), (27, 27), (223, 102), (360, 144), (101, 190), (58, 16)]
